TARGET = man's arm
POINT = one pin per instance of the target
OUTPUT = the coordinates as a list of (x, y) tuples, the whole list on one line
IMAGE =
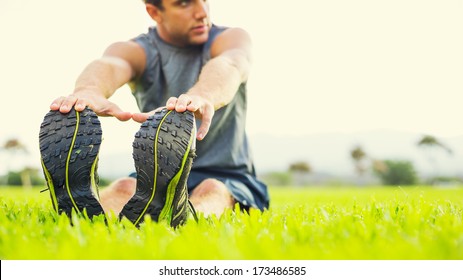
[(219, 79), (120, 63)]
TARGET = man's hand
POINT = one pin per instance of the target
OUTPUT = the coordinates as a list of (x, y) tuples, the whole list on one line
[(200, 106), (99, 104), (202, 109)]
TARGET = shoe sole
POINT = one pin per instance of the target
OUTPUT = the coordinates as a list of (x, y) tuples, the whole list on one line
[(160, 151), (69, 146)]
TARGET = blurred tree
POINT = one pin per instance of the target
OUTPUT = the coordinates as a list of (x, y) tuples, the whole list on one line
[(13, 147), (299, 172), (379, 166), (14, 178), (359, 156), (395, 172), (300, 166), (26, 176), (430, 144)]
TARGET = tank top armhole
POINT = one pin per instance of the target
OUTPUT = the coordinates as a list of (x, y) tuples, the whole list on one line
[(215, 31), (146, 42)]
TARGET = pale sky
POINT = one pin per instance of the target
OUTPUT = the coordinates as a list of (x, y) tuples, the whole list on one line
[(319, 66)]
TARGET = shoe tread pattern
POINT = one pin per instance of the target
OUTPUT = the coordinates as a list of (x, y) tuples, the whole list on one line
[(55, 140), (172, 144)]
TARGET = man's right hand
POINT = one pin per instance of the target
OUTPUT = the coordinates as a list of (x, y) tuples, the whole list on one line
[(99, 104)]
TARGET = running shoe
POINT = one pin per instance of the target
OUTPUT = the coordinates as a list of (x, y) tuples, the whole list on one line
[(163, 151), (69, 145)]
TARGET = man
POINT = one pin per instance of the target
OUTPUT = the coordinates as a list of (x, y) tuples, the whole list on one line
[(189, 66)]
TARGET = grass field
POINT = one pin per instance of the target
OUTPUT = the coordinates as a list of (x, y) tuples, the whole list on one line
[(302, 223)]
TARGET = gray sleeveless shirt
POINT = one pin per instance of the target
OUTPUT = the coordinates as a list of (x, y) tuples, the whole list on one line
[(171, 71)]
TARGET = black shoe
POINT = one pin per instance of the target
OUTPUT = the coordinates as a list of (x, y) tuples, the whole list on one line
[(163, 151), (69, 145)]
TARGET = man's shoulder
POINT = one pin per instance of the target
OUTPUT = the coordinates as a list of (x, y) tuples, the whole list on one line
[(233, 32), (214, 32), (147, 36), (217, 29)]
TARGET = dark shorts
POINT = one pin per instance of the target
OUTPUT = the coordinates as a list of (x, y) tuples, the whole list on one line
[(247, 190)]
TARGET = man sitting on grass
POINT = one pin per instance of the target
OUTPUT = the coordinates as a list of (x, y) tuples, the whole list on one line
[(183, 71)]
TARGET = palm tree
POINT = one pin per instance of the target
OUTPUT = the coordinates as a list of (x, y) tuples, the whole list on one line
[(358, 155), (430, 143)]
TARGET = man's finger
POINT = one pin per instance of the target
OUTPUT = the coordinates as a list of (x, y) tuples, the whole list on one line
[(115, 111), (56, 104), (182, 103), (140, 117), (171, 102), (206, 120), (192, 107), (123, 116), (80, 105), (67, 103)]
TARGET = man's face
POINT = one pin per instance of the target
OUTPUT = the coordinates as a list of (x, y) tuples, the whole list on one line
[(184, 22)]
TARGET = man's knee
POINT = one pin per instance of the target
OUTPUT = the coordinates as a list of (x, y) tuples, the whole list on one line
[(213, 189), (210, 186), (124, 186), (211, 196)]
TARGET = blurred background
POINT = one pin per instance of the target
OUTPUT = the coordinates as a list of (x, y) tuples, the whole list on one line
[(341, 92)]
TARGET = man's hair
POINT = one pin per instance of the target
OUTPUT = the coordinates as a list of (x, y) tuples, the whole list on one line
[(157, 3)]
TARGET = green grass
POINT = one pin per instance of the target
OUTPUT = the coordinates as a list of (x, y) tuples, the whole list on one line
[(303, 223)]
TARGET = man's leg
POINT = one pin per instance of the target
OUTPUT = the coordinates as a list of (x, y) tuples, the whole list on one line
[(115, 196), (211, 197)]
